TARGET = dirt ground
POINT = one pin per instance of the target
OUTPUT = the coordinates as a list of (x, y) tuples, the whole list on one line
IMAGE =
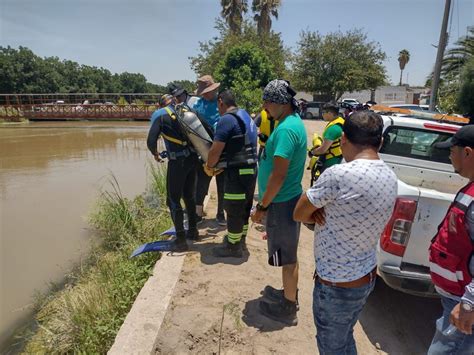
[(214, 308)]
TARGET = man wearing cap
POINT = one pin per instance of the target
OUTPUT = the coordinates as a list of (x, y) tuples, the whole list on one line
[(452, 255), (181, 173), (279, 179), (181, 95), (206, 109)]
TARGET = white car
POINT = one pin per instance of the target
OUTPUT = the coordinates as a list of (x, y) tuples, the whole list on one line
[(351, 101), (426, 187)]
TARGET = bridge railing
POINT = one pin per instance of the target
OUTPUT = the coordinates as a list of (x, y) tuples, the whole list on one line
[(65, 106)]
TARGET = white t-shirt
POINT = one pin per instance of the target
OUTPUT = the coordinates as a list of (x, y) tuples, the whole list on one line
[(358, 199)]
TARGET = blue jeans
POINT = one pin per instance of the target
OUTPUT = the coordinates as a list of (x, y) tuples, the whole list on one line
[(335, 311), (457, 343)]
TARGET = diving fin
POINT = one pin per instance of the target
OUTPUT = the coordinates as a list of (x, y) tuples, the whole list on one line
[(159, 245)]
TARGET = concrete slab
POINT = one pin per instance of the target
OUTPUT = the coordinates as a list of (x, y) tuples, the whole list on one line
[(140, 328)]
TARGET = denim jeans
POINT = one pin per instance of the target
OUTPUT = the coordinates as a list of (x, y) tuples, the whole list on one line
[(457, 343), (335, 311)]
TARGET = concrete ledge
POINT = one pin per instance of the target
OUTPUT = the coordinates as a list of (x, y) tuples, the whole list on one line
[(138, 332)]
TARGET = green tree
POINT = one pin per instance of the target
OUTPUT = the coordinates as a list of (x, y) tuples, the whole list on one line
[(337, 62), (456, 58), (212, 52), (466, 93), (21, 71), (403, 59), (264, 10), (246, 70), (232, 11)]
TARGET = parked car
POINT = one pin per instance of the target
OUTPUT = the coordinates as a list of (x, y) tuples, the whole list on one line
[(426, 187), (313, 110), (416, 107), (350, 101)]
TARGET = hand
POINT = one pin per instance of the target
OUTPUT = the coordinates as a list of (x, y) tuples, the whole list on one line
[(319, 216), (258, 216), (211, 171), (157, 158), (462, 319)]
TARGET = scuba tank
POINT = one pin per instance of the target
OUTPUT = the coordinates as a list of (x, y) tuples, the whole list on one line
[(195, 130)]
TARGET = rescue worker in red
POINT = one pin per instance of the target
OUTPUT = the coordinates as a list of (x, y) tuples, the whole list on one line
[(452, 255)]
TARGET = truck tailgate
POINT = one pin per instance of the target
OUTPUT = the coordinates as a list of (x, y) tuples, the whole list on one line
[(431, 209)]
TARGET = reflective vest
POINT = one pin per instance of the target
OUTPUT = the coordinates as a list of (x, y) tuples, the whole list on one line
[(334, 150), (267, 126), (452, 249), (240, 150)]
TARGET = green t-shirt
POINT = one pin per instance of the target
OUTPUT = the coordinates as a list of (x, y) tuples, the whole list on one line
[(333, 133), (287, 141)]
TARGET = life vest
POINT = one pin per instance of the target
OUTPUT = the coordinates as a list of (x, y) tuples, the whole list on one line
[(452, 249), (267, 126), (334, 150), (240, 150), (316, 143), (171, 130)]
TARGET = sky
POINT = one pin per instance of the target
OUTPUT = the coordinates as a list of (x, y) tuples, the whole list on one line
[(157, 37)]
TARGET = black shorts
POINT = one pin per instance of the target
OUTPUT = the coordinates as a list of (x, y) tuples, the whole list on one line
[(283, 233)]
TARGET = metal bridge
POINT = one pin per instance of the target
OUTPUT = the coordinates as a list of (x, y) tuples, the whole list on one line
[(80, 106)]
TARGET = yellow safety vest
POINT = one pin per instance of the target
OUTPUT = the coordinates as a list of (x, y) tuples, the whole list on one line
[(334, 150), (267, 126)]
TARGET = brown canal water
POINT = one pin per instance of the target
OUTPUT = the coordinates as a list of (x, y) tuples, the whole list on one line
[(51, 175)]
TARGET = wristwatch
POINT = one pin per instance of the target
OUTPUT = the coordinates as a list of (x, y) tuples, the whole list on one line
[(467, 306), (260, 207)]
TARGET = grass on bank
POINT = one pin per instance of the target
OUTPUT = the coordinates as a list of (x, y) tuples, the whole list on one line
[(85, 316)]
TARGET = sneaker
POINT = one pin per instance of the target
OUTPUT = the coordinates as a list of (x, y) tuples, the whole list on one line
[(199, 219), (220, 219), (276, 295), (192, 234), (283, 311), (243, 241), (227, 249)]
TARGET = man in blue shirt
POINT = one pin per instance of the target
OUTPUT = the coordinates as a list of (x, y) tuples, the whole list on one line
[(206, 109), (234, 149)]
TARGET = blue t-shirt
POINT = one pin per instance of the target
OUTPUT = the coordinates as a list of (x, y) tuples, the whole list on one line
[(156, 114), (228, 127), (207, 110), (287, 141)]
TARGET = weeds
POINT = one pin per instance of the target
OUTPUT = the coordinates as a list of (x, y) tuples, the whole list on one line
[(85, 316)]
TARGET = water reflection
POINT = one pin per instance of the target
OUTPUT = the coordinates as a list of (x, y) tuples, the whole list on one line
[(50, 175)]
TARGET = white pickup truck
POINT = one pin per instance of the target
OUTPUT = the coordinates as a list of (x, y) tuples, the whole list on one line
[(427, 185)]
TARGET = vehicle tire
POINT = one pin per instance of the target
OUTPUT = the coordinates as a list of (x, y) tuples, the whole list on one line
[(308, 116)]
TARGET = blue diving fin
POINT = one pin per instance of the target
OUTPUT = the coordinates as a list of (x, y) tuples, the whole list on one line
[(170, 231), (159, 245)]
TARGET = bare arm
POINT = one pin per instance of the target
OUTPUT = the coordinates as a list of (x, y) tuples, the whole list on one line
[(304, 210), (323, 148), (215, 153), (276, 179)]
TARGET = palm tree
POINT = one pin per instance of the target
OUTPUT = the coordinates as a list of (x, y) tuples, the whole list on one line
[(264, 9), (457, 57), (232, 11), (403, 59)]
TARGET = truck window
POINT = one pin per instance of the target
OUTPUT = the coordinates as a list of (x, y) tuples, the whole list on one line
[(415, 143)]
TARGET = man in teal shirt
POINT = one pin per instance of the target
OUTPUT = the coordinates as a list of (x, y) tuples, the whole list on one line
[(279, 178)]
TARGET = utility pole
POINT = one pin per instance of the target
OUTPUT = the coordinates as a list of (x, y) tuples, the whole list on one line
[(443, 37)]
